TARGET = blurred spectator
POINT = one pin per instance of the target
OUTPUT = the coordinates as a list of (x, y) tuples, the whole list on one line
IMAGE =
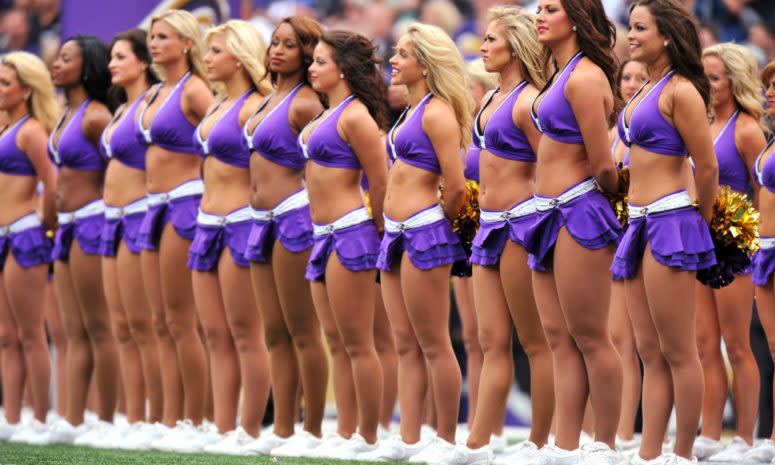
[(709, 35), (14, 30), (380, 18), (762, 43)]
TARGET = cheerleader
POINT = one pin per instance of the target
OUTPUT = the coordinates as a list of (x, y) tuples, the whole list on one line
[(737, 129), (27, 98), (571, 243), (667, 239)]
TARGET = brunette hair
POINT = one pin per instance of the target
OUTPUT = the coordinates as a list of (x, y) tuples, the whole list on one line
[(355, 56), (95, 75), (308, 33), (620, 75), (137, 39), (683, 42)]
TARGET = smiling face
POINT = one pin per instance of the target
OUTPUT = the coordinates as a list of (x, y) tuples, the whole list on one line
[(323, 72), (406, 69), (285, 54), (125, 67), (716, 72), (496, 51), (634, 75), (552, 22), (67, 68), (12, 92), (220, 63), (646, 43), (166, 45)]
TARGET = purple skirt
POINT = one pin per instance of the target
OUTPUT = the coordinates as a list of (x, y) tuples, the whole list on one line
[(29, 247), (588, 219), (357, 248), (181, 212), (125, 228), (293, 229), (428, 246), (209, 242), (679, 238), (88, 232), (490, 239), (763, 266)]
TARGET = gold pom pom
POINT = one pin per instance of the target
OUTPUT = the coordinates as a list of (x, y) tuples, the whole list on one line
[(735, 221), (367, 201), (467, 221), (618, 200), (51, 233)]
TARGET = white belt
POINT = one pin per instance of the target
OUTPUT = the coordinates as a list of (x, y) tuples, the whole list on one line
[(422, 218), (94, 208), (187, 189), (766, 242), (237, 216), (668, 202), (525, 208), (544, 203), (22, 224), (115, 213), (290, 203), (358, 216)]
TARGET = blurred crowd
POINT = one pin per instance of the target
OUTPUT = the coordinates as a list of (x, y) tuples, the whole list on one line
[(30, 25)]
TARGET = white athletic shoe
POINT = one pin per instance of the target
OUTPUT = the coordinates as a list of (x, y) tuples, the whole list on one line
[(461, 433), (517, 454), (734, 451), (8, 429), (637, 460), (97, 432), (141, 435), (763, 451), (394, 450), (232, 443), (265, 443), (553, 455), (461, 454), (61, 432), (672, 459), (300, 444), (498, 443), (34, 432), (194, 441), (383, 433), (183, 432), (705, 447), (115, 437), (624, 445), (433, 452), (354, 447), (598, 453)]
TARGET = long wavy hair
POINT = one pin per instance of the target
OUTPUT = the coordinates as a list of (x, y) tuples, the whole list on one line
[(308, 33), (33, 74), (683, 47), (137, 39), (740, 69), (519, 25), (446, 73), (356, 57), (247, 46), (187, 27)]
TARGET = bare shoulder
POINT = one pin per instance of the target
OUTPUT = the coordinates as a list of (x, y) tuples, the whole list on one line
[(748, 129), (195, 87), (587, 76), (306, 101), (96, 113), (249, 106), (438, 112), (525, 99), (32, 128), (355, 114)]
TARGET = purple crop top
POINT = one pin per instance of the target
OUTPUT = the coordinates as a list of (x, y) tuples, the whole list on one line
[(122, 144), (500, 136), (169, 128), (472, 162), (765, 175), (276, 141), (324, 145), (225, 141), (73, 149), (648, 128), (410, 144), (554, 115), (12, 160), (732, 171)]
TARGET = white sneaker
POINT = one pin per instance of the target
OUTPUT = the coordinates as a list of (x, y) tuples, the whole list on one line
[(97, 432), (383, 433), (464, 455), (637, 460), (299, 445), (183, 431), (194, 441), (355, 447), (705, 447), (461, 433), (394, 450), (763, 451), (585, 438), (61, 432), (624, 445), (34, 433), (115, 437), (598, 453), (554, 455), (141, 435), (265, 443), (672, 459), (433, 452), (328, 448), (233, 443), (498, 443), (733, 452), (8, 429), (517, 454)]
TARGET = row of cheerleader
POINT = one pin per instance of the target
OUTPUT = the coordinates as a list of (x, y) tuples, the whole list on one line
[(226, 214)]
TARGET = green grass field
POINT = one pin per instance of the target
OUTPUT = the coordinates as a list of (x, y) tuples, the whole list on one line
[(22, 454)]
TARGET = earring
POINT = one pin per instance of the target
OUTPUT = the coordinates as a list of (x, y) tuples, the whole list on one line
[(85, 77), (424, 73), (573, 28), (239, 65), (514, 54), (341, 75), (665, 43), (185, 50), (26, 97)]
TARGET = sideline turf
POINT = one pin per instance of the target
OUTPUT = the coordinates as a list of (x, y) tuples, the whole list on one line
[(22, 454)]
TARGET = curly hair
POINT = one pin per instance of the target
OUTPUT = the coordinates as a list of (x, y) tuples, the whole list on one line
[(355, 56), (308, 32)]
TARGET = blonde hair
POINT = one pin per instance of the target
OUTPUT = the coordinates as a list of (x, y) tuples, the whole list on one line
[(187, 27), (33, 74), (446, 79), (475, 72), (247, 46), (741, 69), (443, 14), (519, 25)]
